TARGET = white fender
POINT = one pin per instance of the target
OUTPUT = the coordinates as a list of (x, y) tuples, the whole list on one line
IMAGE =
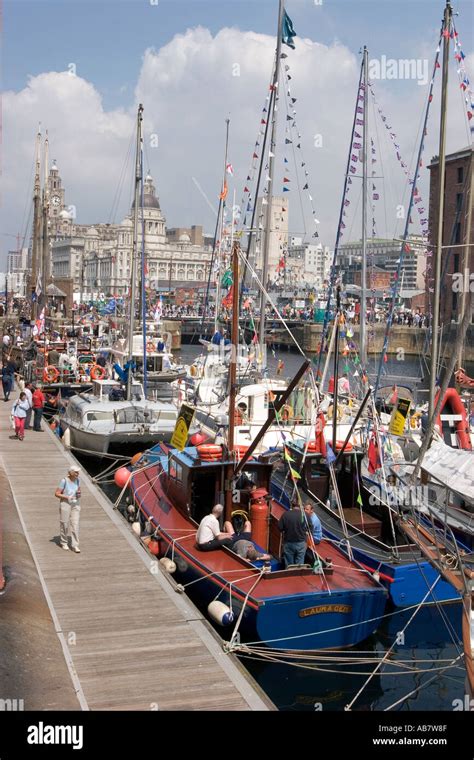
[(220, 613), (168, 565)]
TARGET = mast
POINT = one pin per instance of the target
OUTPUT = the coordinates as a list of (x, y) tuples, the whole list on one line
[(363, 291), (465, 254), (439, 236), (336, 366), (45, 265), (271, 163), (220, 223), (233, 373), (35, 245), (133, 268)]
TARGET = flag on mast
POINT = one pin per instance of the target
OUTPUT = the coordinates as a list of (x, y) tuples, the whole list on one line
[(287, 31)]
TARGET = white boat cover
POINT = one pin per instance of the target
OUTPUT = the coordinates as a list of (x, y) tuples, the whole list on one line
[(453, 467)]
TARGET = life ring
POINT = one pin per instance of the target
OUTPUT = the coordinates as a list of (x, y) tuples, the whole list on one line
[(452, 404), (240, 451), (314, 446), (209, 452), (286, 413), (97, 372), (150, 347), (50, 374), (340, 444)]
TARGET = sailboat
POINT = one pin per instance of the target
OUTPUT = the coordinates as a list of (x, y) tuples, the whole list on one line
[(333, 603), (118, 412)]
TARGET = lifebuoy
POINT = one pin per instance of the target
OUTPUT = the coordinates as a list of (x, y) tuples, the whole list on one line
[(314, 446), (209, 452), (240, 451), (97, 372), (340, 444), (50, 374), (150, 347), (453, 402)]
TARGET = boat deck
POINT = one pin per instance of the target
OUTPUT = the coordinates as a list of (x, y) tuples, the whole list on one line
[(129, 641)]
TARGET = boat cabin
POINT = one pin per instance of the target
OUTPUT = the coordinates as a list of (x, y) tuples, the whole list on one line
[(105, 390), (195, 483)]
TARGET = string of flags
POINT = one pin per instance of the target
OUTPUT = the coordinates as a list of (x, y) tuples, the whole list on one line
[(464, 82)]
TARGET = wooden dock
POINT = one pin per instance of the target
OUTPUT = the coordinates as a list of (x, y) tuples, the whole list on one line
[(129, 640)]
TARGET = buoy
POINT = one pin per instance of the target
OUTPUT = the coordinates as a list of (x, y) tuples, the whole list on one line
[(168, 565), (197, 439), (122, 477), (131, 509), (66, 439), (137, 528), (136, 457), (179, 588), (154, 546), (220, 613)]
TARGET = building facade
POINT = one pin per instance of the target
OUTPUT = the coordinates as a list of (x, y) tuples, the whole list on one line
[(457, 200), (98, 257), (384, 254)]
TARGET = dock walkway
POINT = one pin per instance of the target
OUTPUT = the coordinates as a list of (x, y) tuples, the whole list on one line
[(130, 642)]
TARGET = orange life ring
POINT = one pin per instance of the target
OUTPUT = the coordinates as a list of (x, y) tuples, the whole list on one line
[(209, 452), (452, 403), (97, 372), (314, 446), (50, 374), (340, 444), (240, 451)]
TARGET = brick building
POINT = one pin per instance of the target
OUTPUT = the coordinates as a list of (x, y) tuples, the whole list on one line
[(456, 204)]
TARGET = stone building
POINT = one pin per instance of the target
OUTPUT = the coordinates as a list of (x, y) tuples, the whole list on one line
[(98, 257), (456, 205)]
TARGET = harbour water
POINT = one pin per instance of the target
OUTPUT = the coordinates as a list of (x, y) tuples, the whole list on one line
[(418, 665)]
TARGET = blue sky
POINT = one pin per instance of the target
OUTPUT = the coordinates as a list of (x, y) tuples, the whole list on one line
[(187, 88), (106, 38)]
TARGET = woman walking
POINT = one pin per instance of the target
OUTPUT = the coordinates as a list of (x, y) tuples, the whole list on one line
[(20, 409)]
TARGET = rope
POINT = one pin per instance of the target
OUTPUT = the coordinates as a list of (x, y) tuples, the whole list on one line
[(390, 649)]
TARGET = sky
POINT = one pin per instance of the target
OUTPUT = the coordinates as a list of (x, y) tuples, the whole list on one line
[(80, 67)]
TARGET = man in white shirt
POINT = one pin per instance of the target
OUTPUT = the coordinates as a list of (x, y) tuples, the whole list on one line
[(209, 535)]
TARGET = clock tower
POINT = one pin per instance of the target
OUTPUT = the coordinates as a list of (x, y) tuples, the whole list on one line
[(58, 216)]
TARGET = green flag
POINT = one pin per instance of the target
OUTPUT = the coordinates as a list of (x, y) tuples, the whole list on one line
[(287, 31)]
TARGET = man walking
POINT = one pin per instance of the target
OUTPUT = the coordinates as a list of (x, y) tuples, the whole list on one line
[(38, 406), (293, 526), (69, 492)]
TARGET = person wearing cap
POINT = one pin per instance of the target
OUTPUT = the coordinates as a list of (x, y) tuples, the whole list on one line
[(69, 492)]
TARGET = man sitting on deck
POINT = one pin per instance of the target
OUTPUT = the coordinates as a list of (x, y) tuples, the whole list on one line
[(247, 550), (209, 535)]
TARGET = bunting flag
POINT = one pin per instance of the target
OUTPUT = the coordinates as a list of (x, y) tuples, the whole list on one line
[(230, 169), (224, 192)]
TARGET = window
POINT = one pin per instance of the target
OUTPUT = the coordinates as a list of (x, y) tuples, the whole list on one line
[(457, 233), (458, 202), (460, 175)]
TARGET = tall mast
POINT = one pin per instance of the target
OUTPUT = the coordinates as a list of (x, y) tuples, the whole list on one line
[(220, 223), (439, 237), (133, 268), (233, 371), (269, 197), (45, 265), (35, 246), (363, 291)]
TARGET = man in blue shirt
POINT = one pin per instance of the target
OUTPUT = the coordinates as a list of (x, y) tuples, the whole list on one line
[(314, 524)]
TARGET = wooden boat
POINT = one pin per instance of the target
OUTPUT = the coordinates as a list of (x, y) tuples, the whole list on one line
[(293, 608), (374, 539)]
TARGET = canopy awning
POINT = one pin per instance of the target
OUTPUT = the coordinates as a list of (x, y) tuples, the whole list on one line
[(452, 467)]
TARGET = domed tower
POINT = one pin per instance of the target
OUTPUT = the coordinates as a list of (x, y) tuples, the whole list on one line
[(155, 231)]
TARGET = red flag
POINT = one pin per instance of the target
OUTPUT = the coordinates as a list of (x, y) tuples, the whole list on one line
[(227, 300), (373, 455)]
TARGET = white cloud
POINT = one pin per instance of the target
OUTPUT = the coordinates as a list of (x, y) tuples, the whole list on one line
[(188, 89)]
